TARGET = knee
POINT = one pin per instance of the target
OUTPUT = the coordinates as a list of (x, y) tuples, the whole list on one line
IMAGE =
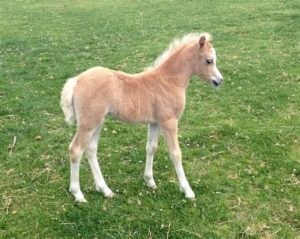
[(75, 153), (175, 156), (151, 148), (91, 148)]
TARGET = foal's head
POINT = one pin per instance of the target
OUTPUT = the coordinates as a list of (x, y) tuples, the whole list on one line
[(206, 62)]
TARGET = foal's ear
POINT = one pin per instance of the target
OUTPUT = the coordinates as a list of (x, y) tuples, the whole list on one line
[(202, 41)]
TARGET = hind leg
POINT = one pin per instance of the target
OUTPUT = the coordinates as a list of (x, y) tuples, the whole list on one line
[(76, 149), (91, 152)]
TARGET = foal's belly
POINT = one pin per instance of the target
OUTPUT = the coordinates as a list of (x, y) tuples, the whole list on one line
[(131, 115)]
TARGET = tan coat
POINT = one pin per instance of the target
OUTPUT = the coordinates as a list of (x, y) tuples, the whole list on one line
[(155, 97)]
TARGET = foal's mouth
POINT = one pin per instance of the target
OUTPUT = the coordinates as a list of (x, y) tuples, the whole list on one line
[(216, 83)]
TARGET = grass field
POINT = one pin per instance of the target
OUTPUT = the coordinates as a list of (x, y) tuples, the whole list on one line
[(240, 144)]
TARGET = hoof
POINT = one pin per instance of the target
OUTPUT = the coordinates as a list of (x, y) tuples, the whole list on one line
[(191, 199), (78, 195), (80, 200), (108, 193), (190, 196), (150, 182), (153, 187)]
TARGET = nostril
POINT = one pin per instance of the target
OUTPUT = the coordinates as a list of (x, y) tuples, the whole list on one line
[(221, 79), (215, 83)]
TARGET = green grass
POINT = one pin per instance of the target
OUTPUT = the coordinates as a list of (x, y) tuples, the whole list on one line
[(241, 144)]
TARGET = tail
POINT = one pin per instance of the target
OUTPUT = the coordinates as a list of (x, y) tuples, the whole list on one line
[(66, 100)]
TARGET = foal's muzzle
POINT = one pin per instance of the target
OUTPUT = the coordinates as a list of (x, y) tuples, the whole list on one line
[(217, 81)]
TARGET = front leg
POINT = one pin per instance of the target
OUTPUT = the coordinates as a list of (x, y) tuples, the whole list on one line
[(169, 129), (152, 143)]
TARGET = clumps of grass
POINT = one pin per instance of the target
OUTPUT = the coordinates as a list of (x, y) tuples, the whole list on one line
[(240, 144)]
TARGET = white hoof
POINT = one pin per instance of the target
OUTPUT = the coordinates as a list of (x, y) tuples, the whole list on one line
[(150, 182), (188, 192), (105, 190), (78, 195), (109, 195), (151, 185), (81, 200), (190, 195)]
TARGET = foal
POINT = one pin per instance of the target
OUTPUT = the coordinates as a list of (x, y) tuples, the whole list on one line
[(155, 97)]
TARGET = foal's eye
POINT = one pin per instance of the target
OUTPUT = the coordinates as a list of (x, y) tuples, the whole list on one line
[(209, 61)]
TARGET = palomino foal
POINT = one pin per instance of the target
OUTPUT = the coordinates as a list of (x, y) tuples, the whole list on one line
[(155, 96)]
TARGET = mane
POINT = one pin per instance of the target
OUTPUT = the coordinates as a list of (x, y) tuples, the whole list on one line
[(176, 44)]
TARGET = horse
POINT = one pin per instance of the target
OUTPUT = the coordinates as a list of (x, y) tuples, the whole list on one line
[(155, 97)]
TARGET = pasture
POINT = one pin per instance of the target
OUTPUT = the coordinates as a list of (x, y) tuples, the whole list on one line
[(240, 144)]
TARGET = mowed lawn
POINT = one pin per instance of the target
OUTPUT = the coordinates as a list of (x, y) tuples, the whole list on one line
[(240, 144)]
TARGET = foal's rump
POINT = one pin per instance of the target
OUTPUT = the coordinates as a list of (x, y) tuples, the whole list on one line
[(80, 93), (92, 93)]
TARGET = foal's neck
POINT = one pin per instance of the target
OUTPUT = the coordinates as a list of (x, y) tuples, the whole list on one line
[(178, 69)]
